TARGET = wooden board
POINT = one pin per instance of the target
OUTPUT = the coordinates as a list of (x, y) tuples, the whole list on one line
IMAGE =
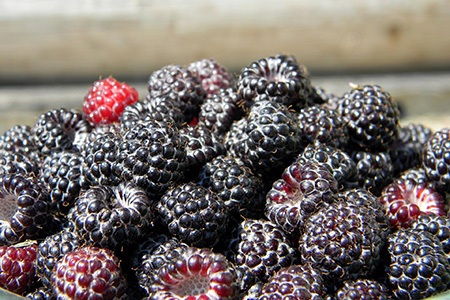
[(53, 40)]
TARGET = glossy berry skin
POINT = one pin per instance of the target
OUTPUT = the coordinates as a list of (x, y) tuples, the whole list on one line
[(418, 266), (88, 273), (406, 151), (241, 190), (59, 129), (112, 217), (62, 175), (336, 160), (323, 125), (258, 249), (363, 289), (212, 75), (277, 77), (267, 138), (436, 159), (17, 268), (162, 108), (180, 84), (19, 139), (151, 255), (52, 249), (198, 274), (106, 100), (25, 209), (344, 241), (439, 226), (406, 200), (294, 282), (372, 117), (194, 214), (303, 189), (374, 170), (220, 110)]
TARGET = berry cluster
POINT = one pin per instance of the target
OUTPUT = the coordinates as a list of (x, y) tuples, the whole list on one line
[(215, 186)]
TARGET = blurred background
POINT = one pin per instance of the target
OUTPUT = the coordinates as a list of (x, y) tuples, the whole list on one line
[(51, 51)]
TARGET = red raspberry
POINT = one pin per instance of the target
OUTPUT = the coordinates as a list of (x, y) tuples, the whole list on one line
[(405, 200), (106, 100), (89, 273), (17, 267)]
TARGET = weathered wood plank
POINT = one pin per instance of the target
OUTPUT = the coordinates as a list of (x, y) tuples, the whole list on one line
[(54, 40)]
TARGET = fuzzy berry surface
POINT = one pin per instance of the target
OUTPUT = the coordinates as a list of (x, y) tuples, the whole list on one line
[(17, 268), (107, 99)]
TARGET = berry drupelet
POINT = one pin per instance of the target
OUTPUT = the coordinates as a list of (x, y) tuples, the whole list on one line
[(51, 250), (58, 130), (89, 273), (344, 241), (406, 200), (267, 139), (202, 146), (259, 248), (302, 190), (242, 191), (152, 155), (100, 157), (319, 124), (198, 273), (407, 149), (151, 255), (363, 289), (336, 160), (17, 163), (24, 209), (436, 159), (19, 139), (180, 84), (279, 78), (194, 214), (418, 266), (439, 226), (106, 100), (362, 197), (62, 176), (17, 267), (372, 117), (294, 282), (113, 217), (374, 170), (220, 110), (212, 75), (160, 109)]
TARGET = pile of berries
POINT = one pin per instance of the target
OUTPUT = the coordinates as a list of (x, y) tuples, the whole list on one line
[(213, 185)]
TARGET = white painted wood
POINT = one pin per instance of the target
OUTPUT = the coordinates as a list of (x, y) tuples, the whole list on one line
[(55, 39)]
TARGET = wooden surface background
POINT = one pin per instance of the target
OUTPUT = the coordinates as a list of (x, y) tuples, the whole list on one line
[(66, 40)]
